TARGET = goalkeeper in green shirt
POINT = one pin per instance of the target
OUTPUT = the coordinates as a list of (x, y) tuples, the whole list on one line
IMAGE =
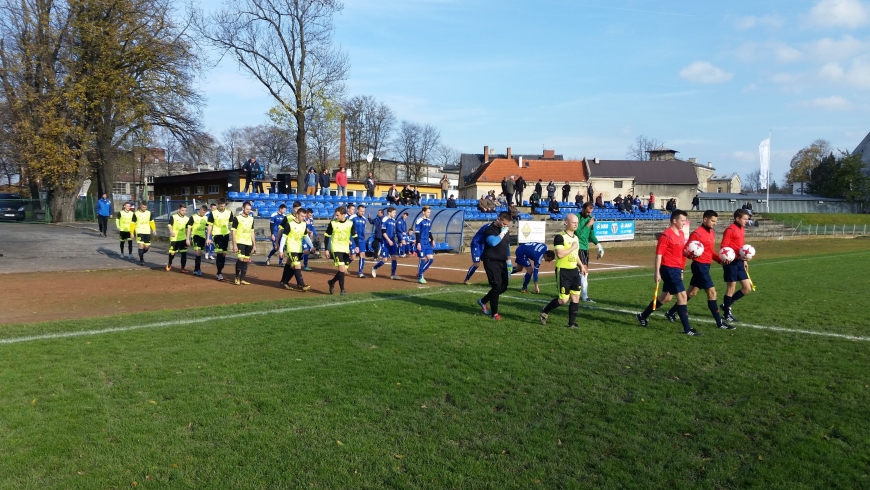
[(585, 234)]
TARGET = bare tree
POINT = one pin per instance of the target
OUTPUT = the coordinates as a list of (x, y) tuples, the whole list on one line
[(752, 181), (414, 146), (203, 149), (232, 140), (324, 133), (274, 146), (369, 125), (639, 150), (446, 155), (287, 45)]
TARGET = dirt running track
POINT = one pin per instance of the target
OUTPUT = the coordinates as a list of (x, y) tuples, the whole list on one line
[(43, 296)]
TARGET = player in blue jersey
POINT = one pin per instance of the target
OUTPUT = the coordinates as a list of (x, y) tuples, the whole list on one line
[(376, 223), (358, 245), (389, 244), (275, 229), (425, 243), (529, 256), (476, 250), (402, 234), (308, 244)]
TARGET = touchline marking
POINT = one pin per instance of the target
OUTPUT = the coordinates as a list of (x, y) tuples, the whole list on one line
[(479, 271), (697, 320), (65, 335)]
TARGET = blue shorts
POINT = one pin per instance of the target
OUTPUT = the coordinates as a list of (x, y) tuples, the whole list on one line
[(427, 250), (476, 252), (672, 280), (359, 242), (701, 276), (735, 271), (524, 261), (388, 250)]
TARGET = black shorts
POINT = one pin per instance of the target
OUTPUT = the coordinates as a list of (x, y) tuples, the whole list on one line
[(672, 280), (143, 239), (221, 243), (496, 275), (583, 256), (569, 283), (735, 271), (701, 276), (178, 246), (198, 242), (339, 258), (125, 235), (244, 250), (294, 258)]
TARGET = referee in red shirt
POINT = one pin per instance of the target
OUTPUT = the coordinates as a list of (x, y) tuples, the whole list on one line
[(701, 269), (735, 271), (669, 264)]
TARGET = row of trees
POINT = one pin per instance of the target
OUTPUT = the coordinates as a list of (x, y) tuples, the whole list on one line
[(828, 174)]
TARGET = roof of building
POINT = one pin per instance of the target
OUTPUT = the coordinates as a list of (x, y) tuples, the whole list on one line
[(722, 178), (662, 149), (759, 197), (647, 171), (532, 170), (864, 149), (194, 177), (470, 162)]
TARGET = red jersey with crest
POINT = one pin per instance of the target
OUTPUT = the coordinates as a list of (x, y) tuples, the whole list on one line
[(733, 237), (670, 246), (707, 237)]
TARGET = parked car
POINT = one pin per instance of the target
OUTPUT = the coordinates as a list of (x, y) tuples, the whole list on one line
[(12, 207)]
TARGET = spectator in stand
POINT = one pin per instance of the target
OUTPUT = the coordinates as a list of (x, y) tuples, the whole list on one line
[(509, 188), (341, 182), (652, 201), (393, 195), (670, 205), (445, 186), (696, 202), (639, 204), (405, 195), (521, 186), (551, 191), (310, 182), (628, 203), (553, 207), (416, 195), (504, 185), (257, 175), (246, 167), (618, 203), (370, 185), (578, 199), (451, 202), (534, 201), (539, 188), (485, 205), (324, 183), (599, 201), (590, 195), (748, 207), (566, 191), (502, 200)]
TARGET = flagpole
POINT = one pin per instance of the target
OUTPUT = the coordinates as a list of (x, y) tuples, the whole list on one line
[(769, 134)]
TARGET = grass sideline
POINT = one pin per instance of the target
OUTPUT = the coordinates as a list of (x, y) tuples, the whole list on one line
[(838, 219), (420, 390)]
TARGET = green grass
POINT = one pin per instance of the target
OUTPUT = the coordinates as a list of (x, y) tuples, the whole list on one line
[(423, 391), (838, 219)]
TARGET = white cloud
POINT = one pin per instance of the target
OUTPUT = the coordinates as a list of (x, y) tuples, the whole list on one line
[(832, 103), (839, 13), (859, 73), (786, 53), (827, 49), (770, 20), (704, 72), (832, 71)]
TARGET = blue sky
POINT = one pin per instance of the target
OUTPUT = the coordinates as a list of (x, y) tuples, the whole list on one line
[(586, 77)]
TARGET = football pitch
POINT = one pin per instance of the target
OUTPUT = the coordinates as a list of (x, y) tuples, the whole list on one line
[(418, 389)]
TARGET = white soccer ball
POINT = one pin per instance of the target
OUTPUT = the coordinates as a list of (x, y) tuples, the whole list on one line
[(727, 254), (694, 249), (747, 252)]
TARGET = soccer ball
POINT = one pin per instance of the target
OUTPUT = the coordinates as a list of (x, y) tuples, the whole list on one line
[(727, 254), (694, 249), (747, 252)]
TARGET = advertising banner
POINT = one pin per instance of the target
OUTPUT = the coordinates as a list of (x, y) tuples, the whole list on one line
[(532, 232), (609, 231)]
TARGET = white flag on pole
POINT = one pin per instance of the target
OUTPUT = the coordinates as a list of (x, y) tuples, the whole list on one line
[(764, 154)]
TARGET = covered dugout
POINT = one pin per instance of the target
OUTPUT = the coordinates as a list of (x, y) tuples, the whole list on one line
[(447, 224)]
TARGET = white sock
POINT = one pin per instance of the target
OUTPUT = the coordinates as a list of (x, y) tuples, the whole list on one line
[(584, 284)]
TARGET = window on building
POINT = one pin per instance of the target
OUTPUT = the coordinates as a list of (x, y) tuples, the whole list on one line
[(199, 190), (149, 179), (213, 189), (720, 189), (185, 191), (617, 184), (119, 188)]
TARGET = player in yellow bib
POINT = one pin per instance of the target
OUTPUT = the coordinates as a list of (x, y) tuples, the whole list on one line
[(143, 226), (568, 271), (180, 225), (242, 233), (338, 235), (198, 231), (219, 233), (293, 233), (123, 219)]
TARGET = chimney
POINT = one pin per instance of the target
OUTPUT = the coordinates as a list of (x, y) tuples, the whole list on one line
[(550, 154), (709, 164), (486, 154), (520, 162), (508, 152), (597, 161), (693, 160)]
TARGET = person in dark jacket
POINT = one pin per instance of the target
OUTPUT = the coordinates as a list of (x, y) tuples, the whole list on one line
[(246, 167), (104, 211), (496, 257), (534, 201), (551, 190), (696, 202), (451, 202), (257, 175), (553, 207), (520, 187), (539, 189), (566, 191), (324, 183)]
